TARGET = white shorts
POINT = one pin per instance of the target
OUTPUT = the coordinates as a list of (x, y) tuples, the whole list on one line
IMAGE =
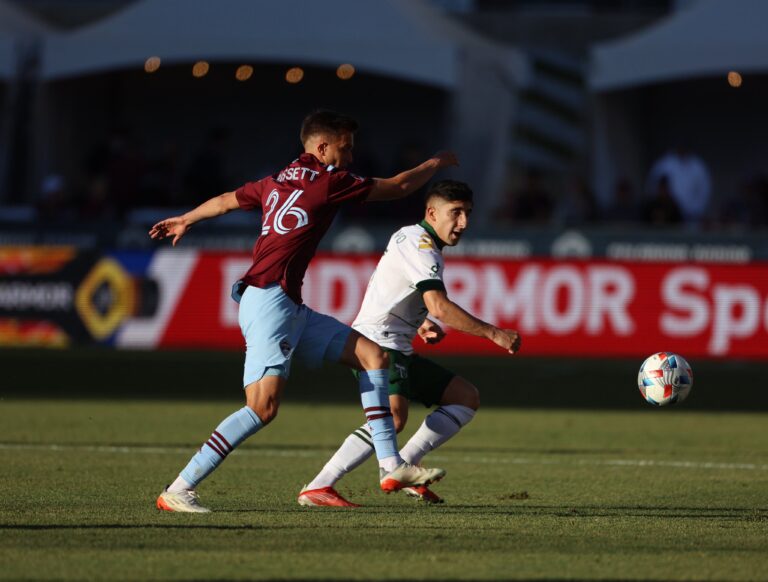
[(275, 329)]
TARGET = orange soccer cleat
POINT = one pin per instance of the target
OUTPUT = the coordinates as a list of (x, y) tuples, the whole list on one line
[(423, 493), (323, 497)]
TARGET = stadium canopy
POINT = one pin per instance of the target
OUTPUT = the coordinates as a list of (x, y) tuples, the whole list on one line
[(400, 38), (15, 27), (706, 38), (6, 58)]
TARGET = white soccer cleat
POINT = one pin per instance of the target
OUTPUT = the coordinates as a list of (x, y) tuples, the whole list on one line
[(407, 475), (181, 502)]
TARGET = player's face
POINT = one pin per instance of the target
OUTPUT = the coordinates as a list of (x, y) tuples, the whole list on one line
[(449, 219), (338, 150)]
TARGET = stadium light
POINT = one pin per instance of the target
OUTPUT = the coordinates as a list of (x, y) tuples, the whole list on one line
[(294, 75), (200, 69), (152, 64), (244, 72), (345, 71)]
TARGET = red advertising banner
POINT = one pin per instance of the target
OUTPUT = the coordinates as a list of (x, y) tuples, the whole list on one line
[(561, 308)]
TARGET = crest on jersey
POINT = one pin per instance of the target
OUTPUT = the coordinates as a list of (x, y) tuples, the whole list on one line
[(426, 243), (285, 347)]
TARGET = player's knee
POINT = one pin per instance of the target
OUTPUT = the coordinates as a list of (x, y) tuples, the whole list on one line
[(265, 408), (372, 357), (263, 396), (462, 393), (266, 411), (473, 397)]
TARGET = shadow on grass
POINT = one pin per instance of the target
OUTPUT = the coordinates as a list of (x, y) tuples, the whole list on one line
[(287, 447), (732, 514), (144, 526), (522, 382)]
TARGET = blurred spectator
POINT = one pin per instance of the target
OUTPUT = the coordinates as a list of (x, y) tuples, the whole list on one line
[(206, 175), (124, 172), (364, 164), (53, 205), (93, 201), (162, 181), (411, 208), (662, 209), (749, 207), (689, 182), (96, 204), (577, 205), (624, 207), (531, 203)]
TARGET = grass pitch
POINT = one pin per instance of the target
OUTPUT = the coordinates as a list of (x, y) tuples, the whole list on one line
[(650, 494)]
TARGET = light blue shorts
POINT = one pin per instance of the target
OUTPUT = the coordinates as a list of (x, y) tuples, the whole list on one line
[(276, 329)]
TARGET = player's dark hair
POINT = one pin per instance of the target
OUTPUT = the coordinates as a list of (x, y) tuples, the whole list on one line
[(323, 121), (450, 191)]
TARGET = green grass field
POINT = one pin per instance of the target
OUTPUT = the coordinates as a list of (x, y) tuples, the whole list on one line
[(642, 494)]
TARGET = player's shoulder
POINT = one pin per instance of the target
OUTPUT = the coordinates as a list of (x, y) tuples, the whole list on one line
[(413, 237), (407, 233)]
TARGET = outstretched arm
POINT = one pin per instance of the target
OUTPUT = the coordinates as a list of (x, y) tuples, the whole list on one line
[(177, 226), (448, 312), (411, 180)]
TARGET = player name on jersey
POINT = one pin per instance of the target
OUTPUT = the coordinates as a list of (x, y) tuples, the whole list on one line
[(296, 173)]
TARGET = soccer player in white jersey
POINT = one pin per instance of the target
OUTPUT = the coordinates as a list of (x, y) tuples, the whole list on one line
[(406, 287)]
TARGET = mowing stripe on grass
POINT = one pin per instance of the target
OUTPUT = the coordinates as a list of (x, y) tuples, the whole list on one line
[(110, 449)]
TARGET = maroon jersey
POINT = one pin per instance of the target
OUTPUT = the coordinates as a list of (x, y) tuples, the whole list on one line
[(298, 205)]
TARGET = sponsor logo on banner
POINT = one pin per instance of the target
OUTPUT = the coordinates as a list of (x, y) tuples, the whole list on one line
[(57, 296)]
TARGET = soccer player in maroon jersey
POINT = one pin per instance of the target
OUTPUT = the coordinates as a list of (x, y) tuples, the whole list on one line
[(298, 204)]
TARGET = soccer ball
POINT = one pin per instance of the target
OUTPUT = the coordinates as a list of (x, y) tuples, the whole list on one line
[(665, 378)]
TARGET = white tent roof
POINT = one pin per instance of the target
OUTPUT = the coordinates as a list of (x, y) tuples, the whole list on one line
[(6, 58), (16, 22), (386, 37), (15, 25), (709, 37)]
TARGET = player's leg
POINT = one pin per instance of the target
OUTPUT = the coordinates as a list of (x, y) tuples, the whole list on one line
[(271, 324), (399, 406), (325, 338), (432, 384), (458, 404), (353, 452), (372, 362), (262, 401), (374, 393)]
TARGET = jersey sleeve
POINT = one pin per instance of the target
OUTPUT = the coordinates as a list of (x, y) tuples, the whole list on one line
[(422, 262), (249, 195), (346, 187)]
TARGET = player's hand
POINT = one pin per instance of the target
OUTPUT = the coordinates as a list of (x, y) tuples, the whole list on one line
[(175, 226), (430, 332), (508, 339), (446, 159)]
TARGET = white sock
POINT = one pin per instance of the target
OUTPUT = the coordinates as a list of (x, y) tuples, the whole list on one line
[(355, 450), (180, 484), (438, 427), (389, 464)]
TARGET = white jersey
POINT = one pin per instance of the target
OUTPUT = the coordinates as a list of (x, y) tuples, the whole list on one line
[(393, 308)]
